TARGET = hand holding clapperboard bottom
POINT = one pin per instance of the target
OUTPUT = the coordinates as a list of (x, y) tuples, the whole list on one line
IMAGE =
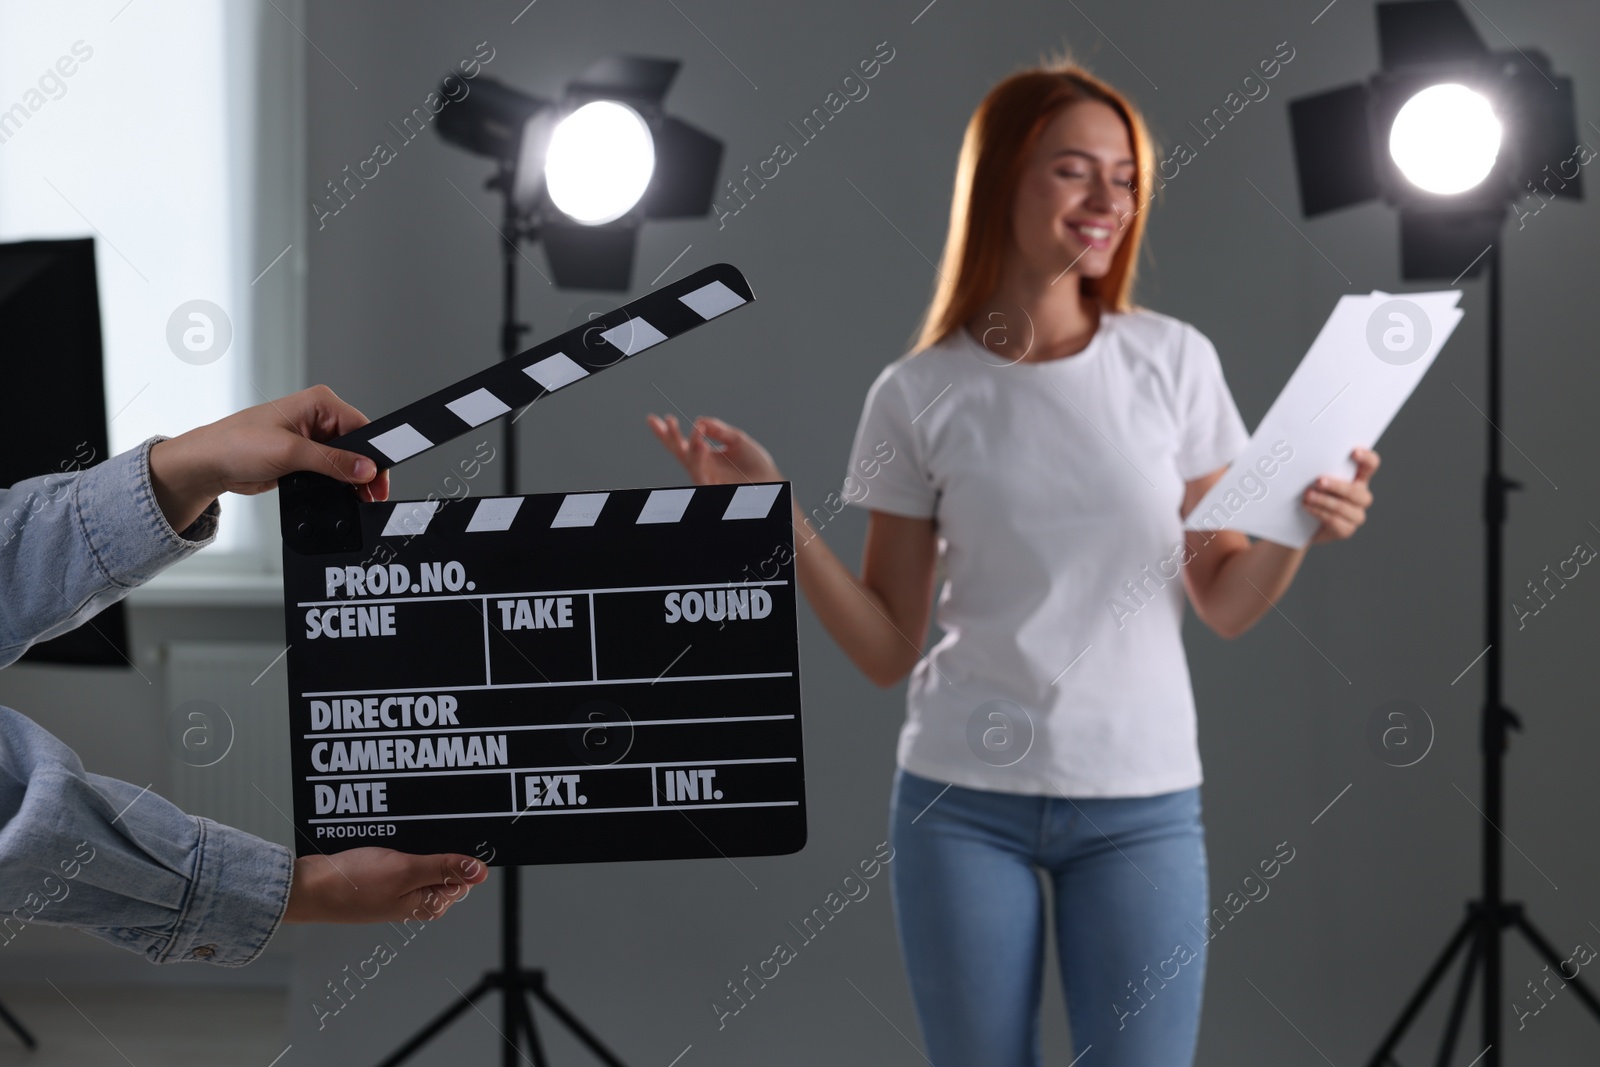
[(564, 677)]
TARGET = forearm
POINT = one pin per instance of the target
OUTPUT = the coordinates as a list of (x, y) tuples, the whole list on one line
[(1248, 584), (854, 616), (120, 862), (74, 543), (183, 485)]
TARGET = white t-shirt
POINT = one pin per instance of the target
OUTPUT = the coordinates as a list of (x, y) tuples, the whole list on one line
[(1056, 487)]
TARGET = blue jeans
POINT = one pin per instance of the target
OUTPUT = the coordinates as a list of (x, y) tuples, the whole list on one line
[(1128, 881)]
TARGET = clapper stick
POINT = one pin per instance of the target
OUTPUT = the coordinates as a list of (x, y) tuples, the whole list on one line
[(318, 514)]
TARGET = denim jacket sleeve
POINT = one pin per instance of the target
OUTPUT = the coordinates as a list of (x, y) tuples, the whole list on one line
[(79, 849)]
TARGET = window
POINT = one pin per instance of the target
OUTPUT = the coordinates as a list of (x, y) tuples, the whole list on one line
[(171, 138)]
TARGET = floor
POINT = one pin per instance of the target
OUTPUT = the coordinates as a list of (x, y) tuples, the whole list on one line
[(169, 1026)]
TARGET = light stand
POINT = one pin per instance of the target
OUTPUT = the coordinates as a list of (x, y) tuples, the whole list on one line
[(512, 981), (1487, 917), (514, 229), (515, 984), (1450, 133), (671, 168)]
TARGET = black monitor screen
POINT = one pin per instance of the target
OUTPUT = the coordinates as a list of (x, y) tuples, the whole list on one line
[(53, 402)]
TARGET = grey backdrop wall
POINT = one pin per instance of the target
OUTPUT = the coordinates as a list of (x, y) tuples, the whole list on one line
[(403, 298)]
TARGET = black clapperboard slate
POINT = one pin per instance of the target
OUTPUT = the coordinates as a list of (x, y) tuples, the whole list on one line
[(555, 678)]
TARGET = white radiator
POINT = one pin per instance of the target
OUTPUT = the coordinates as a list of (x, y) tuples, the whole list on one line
[(228, 735)]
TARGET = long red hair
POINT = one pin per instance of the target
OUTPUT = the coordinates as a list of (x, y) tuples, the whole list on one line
[(1000, 137)]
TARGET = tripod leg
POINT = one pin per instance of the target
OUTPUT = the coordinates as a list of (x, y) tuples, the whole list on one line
[(1414, 1005), (1551, 957), (525, 1017), (573, 1023), (21, 1031), (440, 1021), (1458, 1009)]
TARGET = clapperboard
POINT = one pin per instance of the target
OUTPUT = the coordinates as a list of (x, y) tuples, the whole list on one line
[(564, 677)]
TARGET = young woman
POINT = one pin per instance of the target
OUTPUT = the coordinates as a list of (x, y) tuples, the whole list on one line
[(1045, 439)]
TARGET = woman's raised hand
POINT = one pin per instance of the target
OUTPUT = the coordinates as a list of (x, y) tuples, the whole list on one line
[(713, 452)]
